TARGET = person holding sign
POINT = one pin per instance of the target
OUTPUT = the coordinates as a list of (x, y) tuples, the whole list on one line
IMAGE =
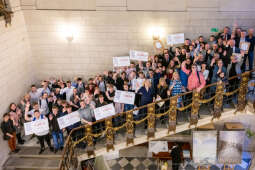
[(147, 94), (42, 136), (9, 132), (161, 93), (251, 39), (56, 132)]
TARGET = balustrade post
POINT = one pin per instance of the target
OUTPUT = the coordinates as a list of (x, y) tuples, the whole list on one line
[(109, 135), (130, 127), (89, 139), (243, 91), (218, 102), (172, 114), (195, 108), (151, 120)]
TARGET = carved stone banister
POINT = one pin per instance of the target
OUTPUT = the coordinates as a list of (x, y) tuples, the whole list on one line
[(6, 13)]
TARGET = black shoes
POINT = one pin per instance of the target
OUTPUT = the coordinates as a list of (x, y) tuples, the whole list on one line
[(51, 149), (16, 151), (41, 151), (61, 148), (21, 142), (55, 150)]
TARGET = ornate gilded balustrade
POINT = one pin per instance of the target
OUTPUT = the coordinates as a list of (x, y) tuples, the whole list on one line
[(187, 106), (5, 12)]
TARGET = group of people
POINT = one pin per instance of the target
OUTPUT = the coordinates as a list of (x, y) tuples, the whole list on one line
[(178, 69)]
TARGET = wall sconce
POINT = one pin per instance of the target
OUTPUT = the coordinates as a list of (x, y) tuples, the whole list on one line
[(69, 32), (155, 35), (156, 32), (69, 38)]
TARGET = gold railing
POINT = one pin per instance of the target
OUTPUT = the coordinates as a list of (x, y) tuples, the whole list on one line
[(237, 84), (5, 12)]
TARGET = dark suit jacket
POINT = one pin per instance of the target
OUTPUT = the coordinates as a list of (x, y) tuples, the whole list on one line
[(226, 59)]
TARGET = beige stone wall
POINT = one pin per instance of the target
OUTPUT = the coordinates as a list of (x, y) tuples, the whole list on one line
[(15, 74), (102, 35)]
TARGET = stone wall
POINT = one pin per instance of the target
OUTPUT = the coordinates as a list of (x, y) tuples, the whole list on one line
[(101, 35), (15, 74)]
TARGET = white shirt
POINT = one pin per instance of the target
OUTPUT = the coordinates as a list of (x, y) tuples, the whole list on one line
[(206, 74), (68, 91)]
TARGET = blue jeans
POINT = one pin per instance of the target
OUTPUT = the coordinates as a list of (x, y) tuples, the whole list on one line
[(251, 57), (58, 139)]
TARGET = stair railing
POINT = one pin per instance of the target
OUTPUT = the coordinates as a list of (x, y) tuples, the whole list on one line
[(213, 96)]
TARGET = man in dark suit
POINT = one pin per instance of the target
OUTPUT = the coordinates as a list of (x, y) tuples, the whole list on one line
[(231, 48), (225, 35), (176, 156)]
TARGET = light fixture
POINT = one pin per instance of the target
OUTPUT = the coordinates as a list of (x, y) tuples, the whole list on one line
[(156, 32), (155, 35), (69, 32), (69, 38)]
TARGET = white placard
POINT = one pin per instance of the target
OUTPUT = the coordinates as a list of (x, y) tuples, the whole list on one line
[(28, 129), (238, 56), (158, 45), (245, 46), (121, 61), (158, 146), (124, 97), (138, 55), (69, 119), (104, 111), (36, 127), (175, 39)]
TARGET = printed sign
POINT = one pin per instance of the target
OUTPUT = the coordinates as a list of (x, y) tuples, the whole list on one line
[(138, 55), (104, 111), (124, 97), (158, 146), (37, 126), (121, 61), (175, 39), (245, 46), (69, 119)]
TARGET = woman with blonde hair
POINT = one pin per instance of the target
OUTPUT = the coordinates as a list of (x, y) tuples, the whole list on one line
[(147, 97), (161, 93)]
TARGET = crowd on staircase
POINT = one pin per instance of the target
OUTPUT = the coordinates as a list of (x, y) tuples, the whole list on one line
[(177, 70)]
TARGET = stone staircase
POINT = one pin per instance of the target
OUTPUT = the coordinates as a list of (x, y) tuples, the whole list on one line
[(28, 159), (161, 132)]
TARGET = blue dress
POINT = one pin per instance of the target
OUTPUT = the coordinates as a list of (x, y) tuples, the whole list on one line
[(147, 96)]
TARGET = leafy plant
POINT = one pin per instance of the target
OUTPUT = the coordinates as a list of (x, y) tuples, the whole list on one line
[(250, 133)]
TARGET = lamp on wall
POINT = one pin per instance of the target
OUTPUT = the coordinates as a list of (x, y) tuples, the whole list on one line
[(69, 32), (155, 35), (69, 38), (156, 32)]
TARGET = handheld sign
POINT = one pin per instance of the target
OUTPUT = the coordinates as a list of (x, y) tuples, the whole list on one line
[(175, 39), (245, 46), (138, 55), (124, 97), (104, 111), (121, 61), (69, 119), (37, 126)]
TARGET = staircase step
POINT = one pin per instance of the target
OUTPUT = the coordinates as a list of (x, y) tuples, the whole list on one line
[(32, 152), (19, 163)]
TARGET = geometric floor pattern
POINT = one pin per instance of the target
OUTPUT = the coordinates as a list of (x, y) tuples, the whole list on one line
[(129, 163)]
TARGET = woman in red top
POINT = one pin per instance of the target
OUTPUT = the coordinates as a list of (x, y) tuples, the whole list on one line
[(196, 80)]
